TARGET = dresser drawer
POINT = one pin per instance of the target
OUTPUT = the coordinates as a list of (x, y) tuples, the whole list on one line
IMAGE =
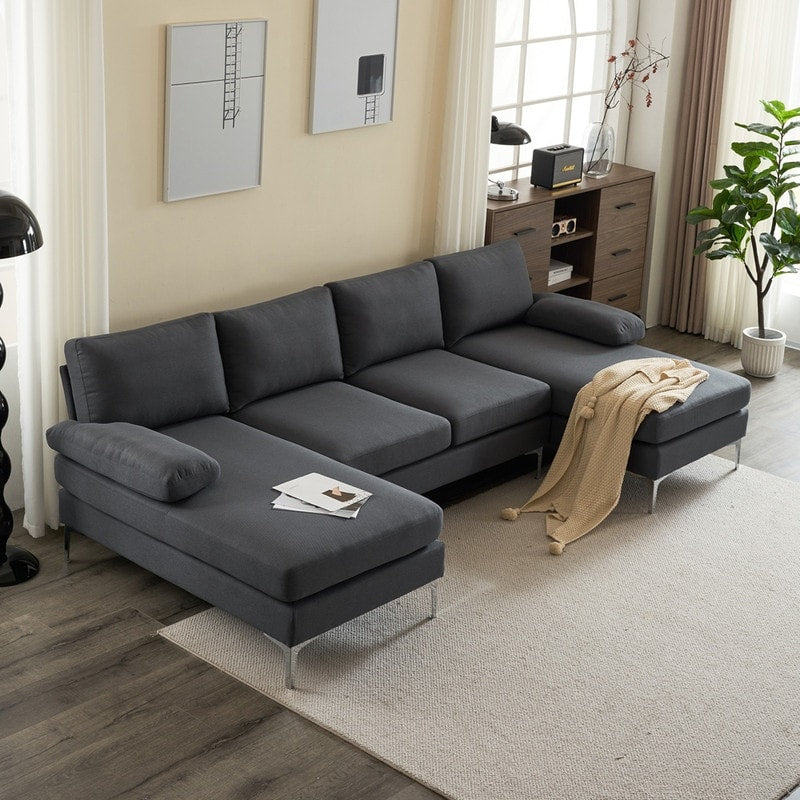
[(626, 205), (622, 291), (531, 226), (619, 251)]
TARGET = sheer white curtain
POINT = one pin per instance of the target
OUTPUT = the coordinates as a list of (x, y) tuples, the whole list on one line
[(58, 149), (786, 310), (461, 206), (760, 58)]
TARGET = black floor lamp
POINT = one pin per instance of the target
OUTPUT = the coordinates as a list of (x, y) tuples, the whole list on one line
[(19, 234)]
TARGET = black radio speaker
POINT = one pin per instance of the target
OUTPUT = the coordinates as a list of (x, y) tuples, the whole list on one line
[(557, 165)]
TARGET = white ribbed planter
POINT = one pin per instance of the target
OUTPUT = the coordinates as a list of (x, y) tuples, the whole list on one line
[(762, 358)]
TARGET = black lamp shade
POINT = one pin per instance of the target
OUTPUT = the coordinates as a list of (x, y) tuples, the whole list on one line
[(19, 231), (508, 133)]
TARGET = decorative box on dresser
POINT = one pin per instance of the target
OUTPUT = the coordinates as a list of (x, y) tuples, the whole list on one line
[(607, 248)]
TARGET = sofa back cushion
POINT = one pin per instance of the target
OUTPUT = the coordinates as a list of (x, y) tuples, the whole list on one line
[(278, 345), (151, 376), (387, 315), (482, 288)]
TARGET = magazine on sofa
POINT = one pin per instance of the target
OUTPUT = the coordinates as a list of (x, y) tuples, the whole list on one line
[(285, 503), (323, 493)]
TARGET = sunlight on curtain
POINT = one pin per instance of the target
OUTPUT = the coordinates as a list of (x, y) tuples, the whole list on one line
[(461, 206), (786, 311), (55, 62), (761, 50)]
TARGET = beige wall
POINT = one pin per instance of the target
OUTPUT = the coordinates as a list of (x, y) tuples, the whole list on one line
[(331, 205)]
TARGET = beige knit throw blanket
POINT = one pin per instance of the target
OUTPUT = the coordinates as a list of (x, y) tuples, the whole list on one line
[(584, 482)]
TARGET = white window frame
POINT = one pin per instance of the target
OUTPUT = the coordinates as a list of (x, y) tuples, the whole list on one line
[(620, 27)]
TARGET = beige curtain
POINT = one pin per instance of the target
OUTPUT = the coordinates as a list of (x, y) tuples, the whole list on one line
[(695, 157), (461, 206)]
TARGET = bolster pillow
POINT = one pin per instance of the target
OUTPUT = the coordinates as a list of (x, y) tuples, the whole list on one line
[(587, 319), (142, 459)]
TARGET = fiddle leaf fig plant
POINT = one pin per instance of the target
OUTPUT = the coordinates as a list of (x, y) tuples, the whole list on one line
[(754, 216)]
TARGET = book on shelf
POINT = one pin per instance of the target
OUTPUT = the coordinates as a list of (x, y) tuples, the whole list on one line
[(559, 271), (318, 494)]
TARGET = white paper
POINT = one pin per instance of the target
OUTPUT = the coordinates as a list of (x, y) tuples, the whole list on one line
[(323, 492), (285, 503)]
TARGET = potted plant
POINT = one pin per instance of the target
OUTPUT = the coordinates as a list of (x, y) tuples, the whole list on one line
[(755, 222)]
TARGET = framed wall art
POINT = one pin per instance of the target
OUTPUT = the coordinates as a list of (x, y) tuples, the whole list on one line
[(352, 75), (214, 107)]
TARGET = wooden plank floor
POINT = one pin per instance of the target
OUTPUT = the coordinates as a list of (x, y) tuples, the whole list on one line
[(94, 705)]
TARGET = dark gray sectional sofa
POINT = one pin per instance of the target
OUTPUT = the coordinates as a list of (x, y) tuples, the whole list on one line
[(397, 382)]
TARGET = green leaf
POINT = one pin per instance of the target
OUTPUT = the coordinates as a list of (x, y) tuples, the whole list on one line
[(724, 252), (788, 221), (710, 233), (734, 215), (700, 214), (720, 183), (770, 131), (760, 149)]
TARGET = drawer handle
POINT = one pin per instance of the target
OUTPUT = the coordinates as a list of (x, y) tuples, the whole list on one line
[(623, 206), (524, 231), (617, 297), (624, 251)]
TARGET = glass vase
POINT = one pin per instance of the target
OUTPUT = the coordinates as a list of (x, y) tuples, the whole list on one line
[(598, 151)]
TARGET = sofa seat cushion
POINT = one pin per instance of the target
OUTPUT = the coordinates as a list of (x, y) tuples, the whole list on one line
[(476, 398), (353, 426), (142, 459), (566, 363), (232, 525)]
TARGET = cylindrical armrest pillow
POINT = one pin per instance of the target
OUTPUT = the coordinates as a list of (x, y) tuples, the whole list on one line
[(587, 319), (142, 459)]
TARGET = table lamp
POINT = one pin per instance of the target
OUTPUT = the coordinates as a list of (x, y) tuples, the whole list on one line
[(19, 234), (505, 133)]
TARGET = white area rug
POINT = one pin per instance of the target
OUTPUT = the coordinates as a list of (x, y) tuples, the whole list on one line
[(657, 658)]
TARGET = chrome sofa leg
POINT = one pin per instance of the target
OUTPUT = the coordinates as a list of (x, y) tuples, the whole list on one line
[(289, 659), (434, 600), (67, 535), (738, 446), (654, 493), (538, 453)]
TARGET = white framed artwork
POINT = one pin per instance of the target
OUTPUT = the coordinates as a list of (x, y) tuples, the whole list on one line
[(214, 118), (352, 75)]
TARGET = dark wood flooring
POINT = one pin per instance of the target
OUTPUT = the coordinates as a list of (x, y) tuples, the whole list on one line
[(94, 705)]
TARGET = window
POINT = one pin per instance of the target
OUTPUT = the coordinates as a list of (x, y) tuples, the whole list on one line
[(550, 70)]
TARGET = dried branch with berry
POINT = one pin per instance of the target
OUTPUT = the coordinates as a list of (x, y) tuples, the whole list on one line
[(633, 68)]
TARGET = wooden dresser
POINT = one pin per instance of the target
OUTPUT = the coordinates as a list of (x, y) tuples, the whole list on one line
[(607, 248)]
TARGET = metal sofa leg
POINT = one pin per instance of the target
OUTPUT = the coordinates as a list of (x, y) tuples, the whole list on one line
[(67, 537), (654, 490), (538, 453), (290, 653), (434, 600), (654, 493), (289, 659)]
